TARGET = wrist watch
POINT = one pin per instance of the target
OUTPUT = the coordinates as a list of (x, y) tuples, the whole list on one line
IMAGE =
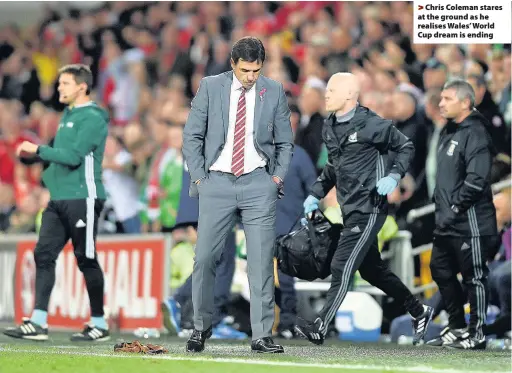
[(455, 209)]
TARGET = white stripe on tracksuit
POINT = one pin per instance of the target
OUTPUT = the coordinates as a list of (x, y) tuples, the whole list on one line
[(347, 271), (476, 254), (90, 202)]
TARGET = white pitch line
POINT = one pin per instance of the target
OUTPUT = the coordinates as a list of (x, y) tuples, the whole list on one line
[(66, 347), (416, 369)]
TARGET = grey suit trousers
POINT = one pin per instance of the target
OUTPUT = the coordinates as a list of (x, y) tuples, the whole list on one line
[(221, 197)]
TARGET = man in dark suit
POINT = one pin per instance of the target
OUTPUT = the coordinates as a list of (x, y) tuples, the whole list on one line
[(237, 144)]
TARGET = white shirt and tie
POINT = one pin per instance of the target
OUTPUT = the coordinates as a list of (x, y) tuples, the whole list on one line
[(252, 160)]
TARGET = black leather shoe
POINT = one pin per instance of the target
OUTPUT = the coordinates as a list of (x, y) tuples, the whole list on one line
[(266, 346), (196, 341)]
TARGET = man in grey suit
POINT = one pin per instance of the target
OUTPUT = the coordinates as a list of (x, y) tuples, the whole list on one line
[(237, 144)]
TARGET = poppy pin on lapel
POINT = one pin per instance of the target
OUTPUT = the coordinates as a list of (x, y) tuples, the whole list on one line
[(262, 93)]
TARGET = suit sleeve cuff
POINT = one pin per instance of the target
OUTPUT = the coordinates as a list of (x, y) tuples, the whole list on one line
[(197, 175)]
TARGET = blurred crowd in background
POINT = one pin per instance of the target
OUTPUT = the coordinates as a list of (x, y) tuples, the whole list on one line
[(148, 58)]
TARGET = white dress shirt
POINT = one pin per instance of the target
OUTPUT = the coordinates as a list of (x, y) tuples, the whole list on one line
[(252, 160)]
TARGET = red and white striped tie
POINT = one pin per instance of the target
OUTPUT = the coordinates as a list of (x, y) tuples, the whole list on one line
[(237, 162)]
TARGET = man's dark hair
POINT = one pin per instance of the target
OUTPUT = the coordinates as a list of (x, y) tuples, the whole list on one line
[(81, 73), (249, 49), (463, 90)]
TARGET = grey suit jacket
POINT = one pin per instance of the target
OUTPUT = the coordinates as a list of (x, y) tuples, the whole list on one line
[(206, 129)]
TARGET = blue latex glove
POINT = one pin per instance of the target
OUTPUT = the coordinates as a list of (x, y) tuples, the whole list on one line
[(386, 185), (310, 204)]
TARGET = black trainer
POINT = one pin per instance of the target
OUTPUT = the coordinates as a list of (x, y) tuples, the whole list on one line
[(447, 336), (196, 341), (91, 334), (311, 331), (28, 330), (420, 325), (467, 342)]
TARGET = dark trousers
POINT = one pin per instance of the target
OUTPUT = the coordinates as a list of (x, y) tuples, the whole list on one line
[(63, 220), (223, 280), (358, 250), (465, 255)]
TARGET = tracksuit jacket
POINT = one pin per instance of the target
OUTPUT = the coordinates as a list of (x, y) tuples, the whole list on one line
[(76, 155), (358, 153), (463, 195)]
